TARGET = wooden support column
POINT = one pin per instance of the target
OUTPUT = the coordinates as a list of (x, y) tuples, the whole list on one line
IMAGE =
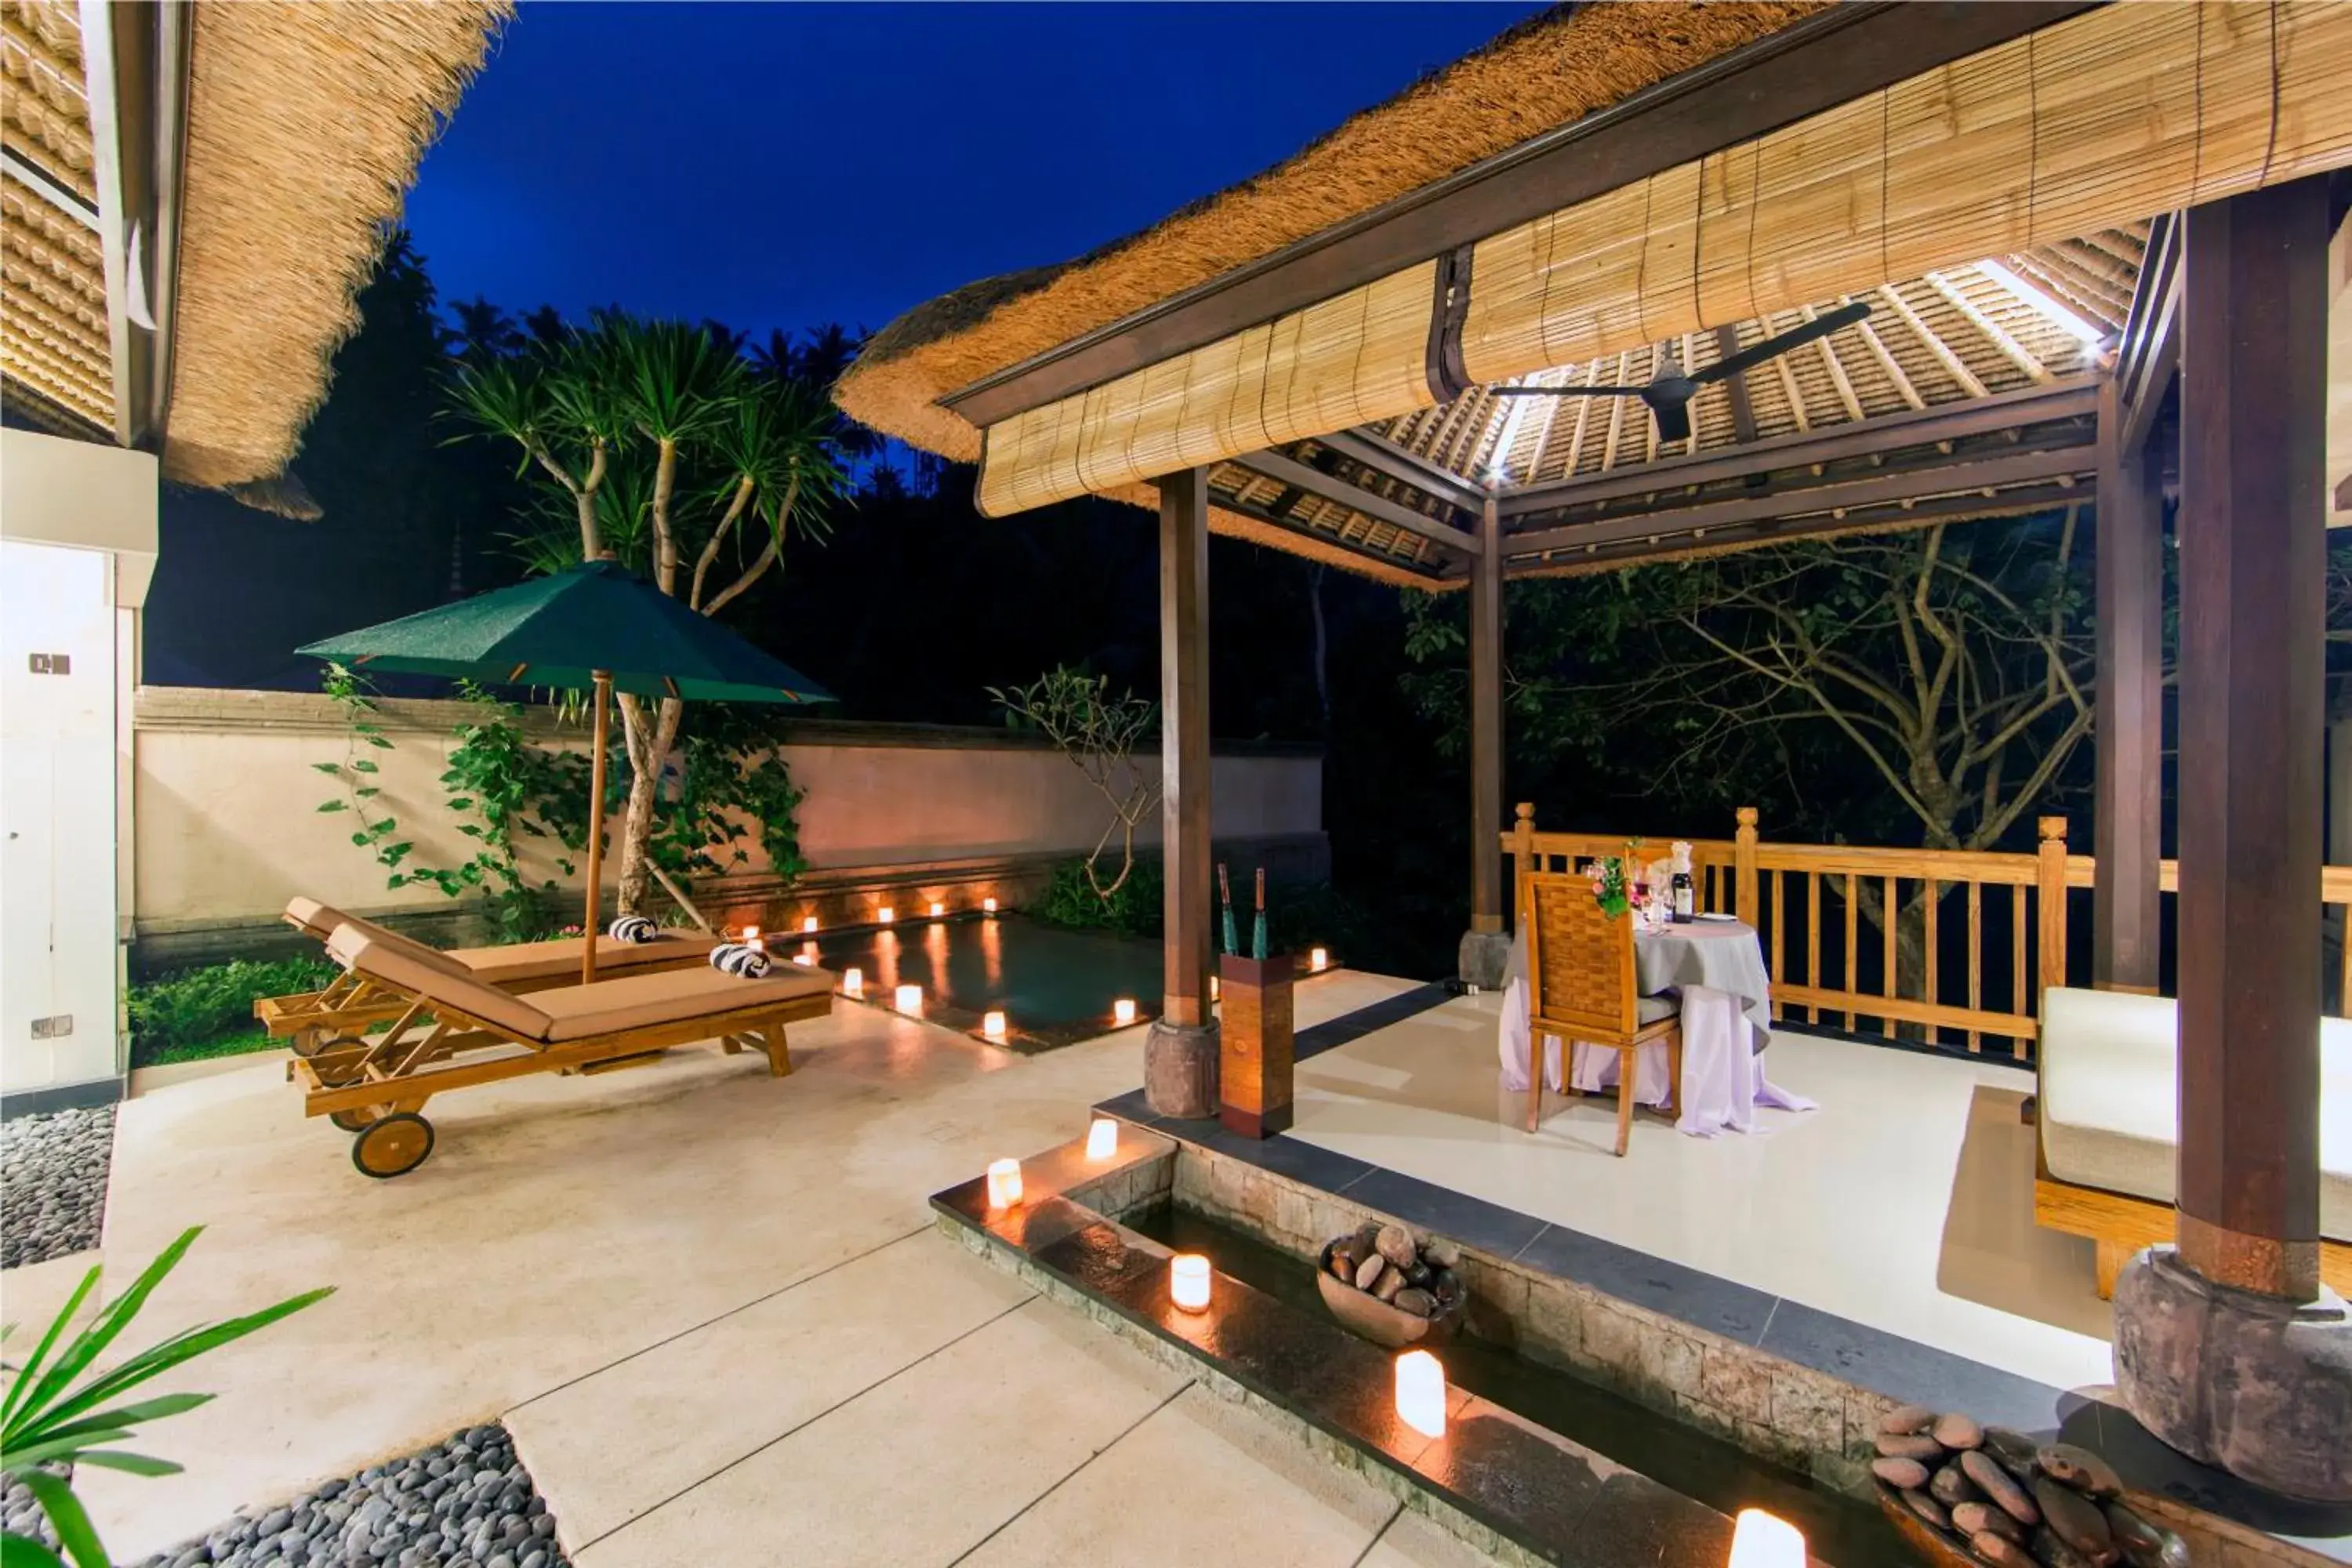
[(2127, 815), (1487, 724), (1184, 742), (2253, 573)]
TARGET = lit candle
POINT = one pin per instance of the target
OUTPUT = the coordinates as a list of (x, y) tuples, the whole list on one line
[(1212, 988), (910, 1000), (1102, 1139), (1420, 1392), (1188, 1281), (853, 982), (1004, 1183), (809, 926), (938, 909), (989, 904), (992, 1023), (752, 937), (1317, 960), (806, 955), (885, 914), (1122, 1012), (1759, 1540)]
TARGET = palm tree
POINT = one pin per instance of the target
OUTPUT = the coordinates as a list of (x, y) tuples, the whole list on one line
[(485, 331)]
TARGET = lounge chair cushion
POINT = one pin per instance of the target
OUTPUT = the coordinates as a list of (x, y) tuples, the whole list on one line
[(642, 1001), (552, 960), (418, 970), (2109, 1109)]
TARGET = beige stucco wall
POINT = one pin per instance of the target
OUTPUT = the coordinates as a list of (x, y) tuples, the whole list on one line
[(228, 825)]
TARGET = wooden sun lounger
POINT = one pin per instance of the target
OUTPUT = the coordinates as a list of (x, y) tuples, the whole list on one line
[(354, 1005), (454, 1032)]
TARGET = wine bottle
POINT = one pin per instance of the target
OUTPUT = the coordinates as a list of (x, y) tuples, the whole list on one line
[(1683, 898)]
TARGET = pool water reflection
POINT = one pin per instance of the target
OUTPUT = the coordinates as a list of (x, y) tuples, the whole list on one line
[(1052, 985)]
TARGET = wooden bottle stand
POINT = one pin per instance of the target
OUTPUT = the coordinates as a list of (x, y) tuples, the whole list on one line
[(1255, 1061)]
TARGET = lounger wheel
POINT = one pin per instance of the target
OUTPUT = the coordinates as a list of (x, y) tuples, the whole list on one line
[(308, 1043), (393, 1145), (351, 1121), (338, 1062)]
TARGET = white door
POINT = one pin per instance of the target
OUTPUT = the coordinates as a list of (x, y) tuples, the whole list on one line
[(57, 1003)]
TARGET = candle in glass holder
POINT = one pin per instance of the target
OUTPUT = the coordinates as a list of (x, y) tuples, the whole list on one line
[(992, 1023), (938, 909), (910, 999), (806, 955), (885, 914), (989, 904), (1212, 988), (1102, 1139), (808, 925), (1420, 1392), (1319, 960), (853, 982), (1760, 1540), (1122, 1012), (1188, 1281), (751, 939), (1004, 1183)]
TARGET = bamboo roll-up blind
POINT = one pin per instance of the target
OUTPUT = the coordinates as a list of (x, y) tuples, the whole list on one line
[(2097, 122), (1360, 357)]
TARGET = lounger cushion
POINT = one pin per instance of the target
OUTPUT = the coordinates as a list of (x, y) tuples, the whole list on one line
[(2109, 1114), (525, 961), (426, 975), (641, 1001)]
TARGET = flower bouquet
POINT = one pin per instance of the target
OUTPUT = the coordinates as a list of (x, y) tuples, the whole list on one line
[(1610, 888)]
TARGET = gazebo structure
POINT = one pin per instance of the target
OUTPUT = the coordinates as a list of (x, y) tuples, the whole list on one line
[(2098, 245), (191, 197)]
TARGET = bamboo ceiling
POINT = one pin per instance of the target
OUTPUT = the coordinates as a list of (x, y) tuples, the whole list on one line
[(1944, 201), (304, 126)]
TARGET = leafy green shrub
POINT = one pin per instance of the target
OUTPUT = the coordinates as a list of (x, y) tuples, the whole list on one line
[(1132, 909), (208, 1012)]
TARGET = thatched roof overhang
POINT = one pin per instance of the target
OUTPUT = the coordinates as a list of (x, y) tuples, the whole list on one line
[(1869, 159), (190, 198)]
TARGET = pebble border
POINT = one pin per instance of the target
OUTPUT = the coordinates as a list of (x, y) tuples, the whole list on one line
[(54, 1168)]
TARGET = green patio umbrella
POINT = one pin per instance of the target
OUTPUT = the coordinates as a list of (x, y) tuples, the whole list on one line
[(596, 626)]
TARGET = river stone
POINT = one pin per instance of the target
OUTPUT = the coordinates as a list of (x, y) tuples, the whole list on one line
[(1951, 1487), (1902, 1475), (1999, 1551), (1956, 1431), (2145, 1545), (1445, 1285), (2049, 1550), (1395, 1243), (1368, 1273), (2076, 1520), (1905, 1419), (1414, 1300), (2014, 1449), (1924, 1450), (1391, 1286), (2079, 1469), (1418, 1273), (1928, 1509), (2001, 1486), (1342, 1267), (1442, 1253), (1982, 1518)]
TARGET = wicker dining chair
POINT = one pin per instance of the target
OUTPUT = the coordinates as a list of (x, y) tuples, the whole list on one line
[(1582, 986)]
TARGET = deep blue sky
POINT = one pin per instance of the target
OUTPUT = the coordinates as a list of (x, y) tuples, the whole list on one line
[(787, 164)]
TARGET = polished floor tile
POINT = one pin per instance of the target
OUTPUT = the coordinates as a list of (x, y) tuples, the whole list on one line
[(1904, 1203)]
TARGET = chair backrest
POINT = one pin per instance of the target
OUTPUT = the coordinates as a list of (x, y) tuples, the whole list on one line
[(426, 977), (1580, 973)]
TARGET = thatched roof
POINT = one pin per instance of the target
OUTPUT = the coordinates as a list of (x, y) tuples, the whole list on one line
[(1555, 68), (305, 124)]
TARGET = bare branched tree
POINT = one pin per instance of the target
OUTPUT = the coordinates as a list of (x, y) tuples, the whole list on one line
[(1099, 733)]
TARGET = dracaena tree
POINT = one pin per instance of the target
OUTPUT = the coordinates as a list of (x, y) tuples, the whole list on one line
[(657, 445)]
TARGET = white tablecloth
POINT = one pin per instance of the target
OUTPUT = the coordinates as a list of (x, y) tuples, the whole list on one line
[(1726, 1025)]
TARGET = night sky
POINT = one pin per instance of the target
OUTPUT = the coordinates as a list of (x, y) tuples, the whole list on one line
[(782, 166)]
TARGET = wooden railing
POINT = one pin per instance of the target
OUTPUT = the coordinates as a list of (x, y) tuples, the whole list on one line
[(1835, 956)]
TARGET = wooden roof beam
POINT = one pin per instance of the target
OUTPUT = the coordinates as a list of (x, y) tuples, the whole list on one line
[(1943, 353), (2074, 398), (1289, 471), (1832, 58), (47, 186), (2017, 354), (1385, 457), (2147, 356)]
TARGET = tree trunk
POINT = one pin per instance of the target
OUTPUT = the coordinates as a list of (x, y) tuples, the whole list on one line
[(637, 822)]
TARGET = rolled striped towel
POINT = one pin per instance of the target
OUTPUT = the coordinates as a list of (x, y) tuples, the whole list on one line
[(633, 928), (743, 962)]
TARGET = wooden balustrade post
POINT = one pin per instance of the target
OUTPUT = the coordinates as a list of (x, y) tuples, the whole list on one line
[(1523, 852), (2051, 883), (1743, 871)]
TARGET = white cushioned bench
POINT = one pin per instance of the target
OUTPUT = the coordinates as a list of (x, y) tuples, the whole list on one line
[(2109, 1118)]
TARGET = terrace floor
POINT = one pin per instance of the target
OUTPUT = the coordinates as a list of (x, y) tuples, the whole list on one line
[(1904, 1204), (711, 1307)]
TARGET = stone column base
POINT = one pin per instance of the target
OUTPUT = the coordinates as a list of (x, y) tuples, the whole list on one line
[(1179, 1069), (2259, 1387), (1483, 957)]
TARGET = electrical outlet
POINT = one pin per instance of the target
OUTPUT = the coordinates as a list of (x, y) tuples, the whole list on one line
[(52, 663), (55, 1028)]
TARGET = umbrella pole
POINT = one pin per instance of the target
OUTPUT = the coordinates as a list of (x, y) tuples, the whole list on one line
[(604, 680)]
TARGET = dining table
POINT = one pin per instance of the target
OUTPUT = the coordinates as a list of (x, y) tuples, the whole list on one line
[(1714, 967)]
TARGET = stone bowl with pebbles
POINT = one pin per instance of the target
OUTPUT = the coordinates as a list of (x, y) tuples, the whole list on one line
[(1990, 1498), (1391, 1287)]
